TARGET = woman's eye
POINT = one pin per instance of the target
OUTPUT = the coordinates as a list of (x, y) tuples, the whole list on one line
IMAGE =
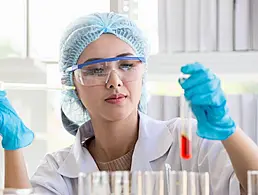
[(126, 66), (97, 70), (93, 72)]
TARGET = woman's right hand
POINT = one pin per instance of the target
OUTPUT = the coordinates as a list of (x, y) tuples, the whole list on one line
[(13, 131)]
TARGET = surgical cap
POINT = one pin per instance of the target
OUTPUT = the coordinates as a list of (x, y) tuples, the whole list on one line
[(78, 35)]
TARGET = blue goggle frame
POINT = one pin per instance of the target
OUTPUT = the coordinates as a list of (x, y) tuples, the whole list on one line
[(80, 66)]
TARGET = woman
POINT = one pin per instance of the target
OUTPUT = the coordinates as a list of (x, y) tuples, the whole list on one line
[(104, 57)]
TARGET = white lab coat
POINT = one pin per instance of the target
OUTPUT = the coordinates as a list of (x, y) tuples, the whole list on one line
[(157, 144)]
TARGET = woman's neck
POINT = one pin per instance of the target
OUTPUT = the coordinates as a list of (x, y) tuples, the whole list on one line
[(114, 139)]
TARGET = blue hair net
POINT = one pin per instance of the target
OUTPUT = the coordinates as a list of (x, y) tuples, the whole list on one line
[(77, 37)]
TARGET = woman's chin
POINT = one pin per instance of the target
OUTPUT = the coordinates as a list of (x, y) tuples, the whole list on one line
[(116, 115)]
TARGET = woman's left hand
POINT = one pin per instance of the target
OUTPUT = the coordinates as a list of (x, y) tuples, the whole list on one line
[(208, 102)]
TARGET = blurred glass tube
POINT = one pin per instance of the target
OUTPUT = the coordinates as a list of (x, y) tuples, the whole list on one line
[(178, 182), (198, 183), (252, 182)]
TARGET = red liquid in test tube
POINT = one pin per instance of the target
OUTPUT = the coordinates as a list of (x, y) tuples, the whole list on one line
[(186, 148)]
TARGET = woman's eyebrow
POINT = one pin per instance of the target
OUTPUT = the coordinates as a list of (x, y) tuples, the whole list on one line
[(120, 55), (125, 54)]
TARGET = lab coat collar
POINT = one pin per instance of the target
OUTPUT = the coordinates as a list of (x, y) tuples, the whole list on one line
[(154, 141)]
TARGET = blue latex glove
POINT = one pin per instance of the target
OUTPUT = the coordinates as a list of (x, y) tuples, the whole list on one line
[(14, 133), (203, 91)]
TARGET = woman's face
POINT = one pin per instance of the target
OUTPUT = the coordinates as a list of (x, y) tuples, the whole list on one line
[(96, 98)]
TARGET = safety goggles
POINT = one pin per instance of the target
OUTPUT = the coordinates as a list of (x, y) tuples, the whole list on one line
[(97, 72)]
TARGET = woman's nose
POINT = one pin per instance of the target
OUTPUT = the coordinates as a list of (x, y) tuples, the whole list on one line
[(113, 80)]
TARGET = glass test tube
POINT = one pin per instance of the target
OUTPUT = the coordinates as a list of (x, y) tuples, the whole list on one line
[(139, 183), (167, 177), (198, 183), (186, 129), (100, 182), (148, 183), (252, 182), (118, 182), (177, 183), (160, 176), (153, 183), (126, 182), (188, 183), (82, 183)]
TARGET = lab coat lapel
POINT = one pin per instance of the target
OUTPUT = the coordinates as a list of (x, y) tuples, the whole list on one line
[(140, 159), (153, 142), (79, 159)]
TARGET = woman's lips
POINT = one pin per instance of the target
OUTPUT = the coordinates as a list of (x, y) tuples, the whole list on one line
[(116, 99)]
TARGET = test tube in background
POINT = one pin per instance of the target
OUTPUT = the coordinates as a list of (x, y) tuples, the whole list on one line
[(153, 183), (148, 183), (198, 183), (84, 184), (159, 190), (118, 182), (143, 183), (177, 183), (104, 183), (204, 179), (188, 183), (99, 183), (126, 182), (186, 129), (96, 183), (252, 182), (137, 183)]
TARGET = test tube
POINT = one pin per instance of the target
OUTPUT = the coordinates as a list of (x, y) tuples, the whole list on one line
[(205, 183), (148, 183), (160, 175), (167, 176), (137, 183), (198, 183), (82, 183), (118, 182), (178, 183), (186, 129), (192, 184), (105, 183), (95, 183), (252, 182), (186, 125), (126, 182), (30, 86)]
